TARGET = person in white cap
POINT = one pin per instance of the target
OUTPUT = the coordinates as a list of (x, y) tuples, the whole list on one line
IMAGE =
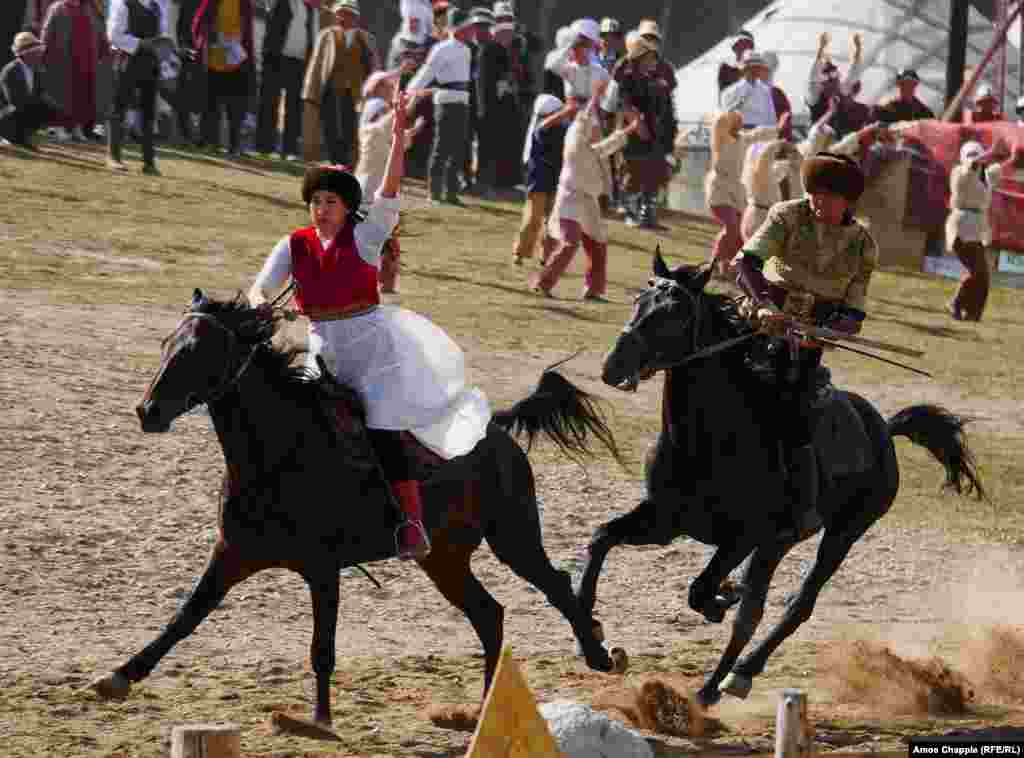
[(446, 73), (986, 107), (343, 58), (26, 106), (577, 63), (751, 95), (553, 84), (968, 231), (542, 156), (504, 12)]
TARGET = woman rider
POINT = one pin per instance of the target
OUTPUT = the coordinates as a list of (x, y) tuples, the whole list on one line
[(408, 373)]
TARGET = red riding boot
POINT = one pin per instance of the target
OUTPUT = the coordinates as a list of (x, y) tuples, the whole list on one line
[(411, 536)]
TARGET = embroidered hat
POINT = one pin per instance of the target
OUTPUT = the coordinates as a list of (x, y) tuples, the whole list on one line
[(458, 19), (336, 179), (984, 93), (610, 26), (837, 174), (504, 11), (970, 151), (23, 42), (743, 37), (481, 15), (352, 6), (588, 28)]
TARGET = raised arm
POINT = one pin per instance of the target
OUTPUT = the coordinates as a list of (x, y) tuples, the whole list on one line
[(395, 170)]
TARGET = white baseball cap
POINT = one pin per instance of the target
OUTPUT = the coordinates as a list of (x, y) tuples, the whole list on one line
[(969, 151), (587, 27)]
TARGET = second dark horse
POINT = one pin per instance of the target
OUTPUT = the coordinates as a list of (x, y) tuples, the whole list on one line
[(715, 472), (297, 496)]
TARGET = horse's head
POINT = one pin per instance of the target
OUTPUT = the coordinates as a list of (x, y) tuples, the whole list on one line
[(202, 358), (664, 327)]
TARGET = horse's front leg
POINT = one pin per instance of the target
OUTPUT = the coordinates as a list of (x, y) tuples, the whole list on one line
[(756, 580), (226, 568), (324, 590), (640, 526)]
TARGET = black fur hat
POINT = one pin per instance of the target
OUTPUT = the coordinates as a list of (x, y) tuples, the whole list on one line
[(828, 172), (336, 179)]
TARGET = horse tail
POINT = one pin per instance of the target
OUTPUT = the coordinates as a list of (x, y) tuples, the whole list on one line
[(942, 434), (567, 415)]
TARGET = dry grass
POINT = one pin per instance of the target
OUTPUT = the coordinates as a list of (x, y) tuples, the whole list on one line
[(132, 247)]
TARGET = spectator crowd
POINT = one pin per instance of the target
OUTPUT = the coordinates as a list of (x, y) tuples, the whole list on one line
[(593, 114)]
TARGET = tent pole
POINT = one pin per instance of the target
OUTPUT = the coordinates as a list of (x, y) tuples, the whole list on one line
[(1000, 36), (957, 59)]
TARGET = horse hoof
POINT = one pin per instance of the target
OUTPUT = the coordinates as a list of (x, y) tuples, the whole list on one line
[(620, 661), (112, 686), (737, 685)]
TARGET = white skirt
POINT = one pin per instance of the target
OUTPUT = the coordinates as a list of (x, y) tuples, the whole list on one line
[(409, 374)]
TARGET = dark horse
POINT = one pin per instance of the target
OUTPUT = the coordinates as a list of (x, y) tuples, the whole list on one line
[(298, 494), (715, 472)]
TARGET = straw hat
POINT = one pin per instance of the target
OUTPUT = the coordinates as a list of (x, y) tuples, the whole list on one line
[(24, 41)]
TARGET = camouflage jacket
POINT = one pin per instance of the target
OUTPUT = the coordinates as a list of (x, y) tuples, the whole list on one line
[(833, 263)]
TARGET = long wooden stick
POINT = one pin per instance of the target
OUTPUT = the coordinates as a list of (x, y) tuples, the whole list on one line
[(968, 86)]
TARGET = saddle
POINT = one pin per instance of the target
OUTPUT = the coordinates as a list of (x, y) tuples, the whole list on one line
[(347, 418)]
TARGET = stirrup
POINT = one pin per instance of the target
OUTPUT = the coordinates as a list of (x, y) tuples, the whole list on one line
[(416, 553)]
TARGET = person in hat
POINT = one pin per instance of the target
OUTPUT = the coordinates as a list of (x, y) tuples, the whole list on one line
[(640, 83), (576, 217), (986, 107), (223, 32), (25, 106), (497, 111), (904, 105), (445, 75), (577, 63), (825, 83), (810, 261), (968, 230), (344, 56), (135, 29), (291, 31), (553, 83), (612, 46), (751, 95), (408, 373), (77, 65), (731, 72), (542, 155)]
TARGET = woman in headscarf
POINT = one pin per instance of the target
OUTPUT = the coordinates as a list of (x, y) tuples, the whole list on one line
[(408, 373)]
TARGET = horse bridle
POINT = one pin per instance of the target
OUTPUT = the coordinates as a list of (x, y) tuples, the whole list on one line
[(228, 378), (693, 323)]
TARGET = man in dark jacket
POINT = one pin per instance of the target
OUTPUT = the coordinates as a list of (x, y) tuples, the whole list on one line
[(292, 29), (25, 107), (904, 105)]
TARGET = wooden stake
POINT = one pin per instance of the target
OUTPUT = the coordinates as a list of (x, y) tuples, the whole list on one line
[(206, 741), (510, 725), (793, 734)]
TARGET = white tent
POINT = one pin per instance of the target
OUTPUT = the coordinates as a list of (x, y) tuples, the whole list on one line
[(897, 34)]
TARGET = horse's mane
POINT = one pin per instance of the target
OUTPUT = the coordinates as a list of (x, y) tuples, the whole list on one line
[(725, 316), (256, 329)]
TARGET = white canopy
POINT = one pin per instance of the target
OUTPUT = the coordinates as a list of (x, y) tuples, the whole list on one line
[(897, 34)]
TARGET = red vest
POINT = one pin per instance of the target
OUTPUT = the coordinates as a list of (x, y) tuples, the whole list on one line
[(331, 279)]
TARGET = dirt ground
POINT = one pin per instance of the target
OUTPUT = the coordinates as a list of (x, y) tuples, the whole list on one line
[(103, 531)]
